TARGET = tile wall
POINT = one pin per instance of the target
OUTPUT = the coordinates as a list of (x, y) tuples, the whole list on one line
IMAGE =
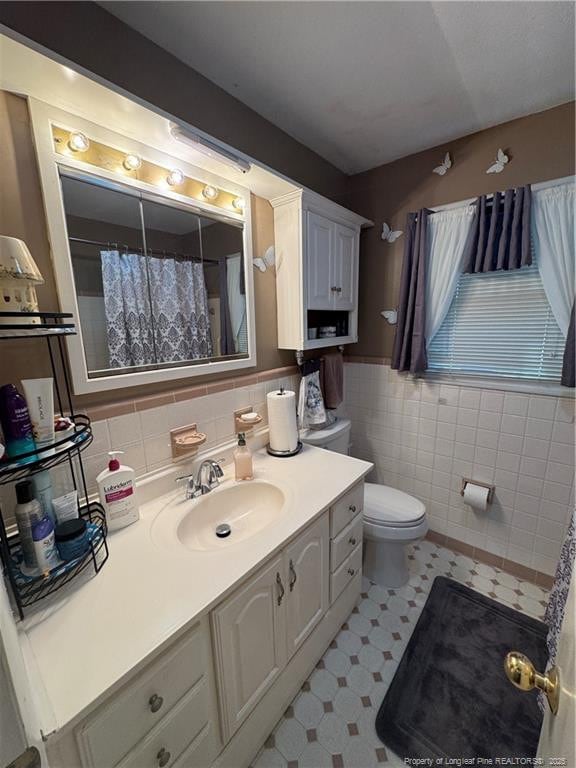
[(424, 437), (141, 428)]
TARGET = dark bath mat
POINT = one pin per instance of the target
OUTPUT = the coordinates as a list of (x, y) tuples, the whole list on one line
[(450, 696)]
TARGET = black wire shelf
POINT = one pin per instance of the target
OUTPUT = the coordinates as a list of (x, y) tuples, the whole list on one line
[(49, 324), (32, 589), (28, 590), (48, 456)]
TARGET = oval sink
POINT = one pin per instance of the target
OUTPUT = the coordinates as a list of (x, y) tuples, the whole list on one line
[(245, 508)]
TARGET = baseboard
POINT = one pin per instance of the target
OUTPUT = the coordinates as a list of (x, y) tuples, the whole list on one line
[(509, 566)]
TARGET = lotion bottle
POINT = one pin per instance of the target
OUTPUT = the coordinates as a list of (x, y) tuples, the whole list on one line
[(116, 486), (243, 460)]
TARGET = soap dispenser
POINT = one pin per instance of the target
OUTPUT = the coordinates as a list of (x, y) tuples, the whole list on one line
[(116, 486), (243, 460)]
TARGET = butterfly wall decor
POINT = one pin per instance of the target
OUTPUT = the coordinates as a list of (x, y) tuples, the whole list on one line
[(444, 166), (501, 160), (267, 260), (389, 235), (390, 315)]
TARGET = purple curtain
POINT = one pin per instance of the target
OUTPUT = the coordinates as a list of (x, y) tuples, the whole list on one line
[(409, 353), (227, 346), (500, 234), (568, 373)]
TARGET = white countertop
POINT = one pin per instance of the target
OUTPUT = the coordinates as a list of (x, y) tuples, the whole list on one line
[(85, 645)]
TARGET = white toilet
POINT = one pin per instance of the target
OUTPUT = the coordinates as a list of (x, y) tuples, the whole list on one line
[(392, 518)]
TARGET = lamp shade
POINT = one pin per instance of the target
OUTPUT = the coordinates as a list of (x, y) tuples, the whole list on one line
[(16, 262)]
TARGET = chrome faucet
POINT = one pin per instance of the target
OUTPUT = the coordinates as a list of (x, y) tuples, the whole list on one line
[(208, 478)]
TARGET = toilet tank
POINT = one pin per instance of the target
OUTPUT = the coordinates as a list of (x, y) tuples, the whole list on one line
[(333, 438)]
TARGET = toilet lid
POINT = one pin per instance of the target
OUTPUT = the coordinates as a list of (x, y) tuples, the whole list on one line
[(388, 506)]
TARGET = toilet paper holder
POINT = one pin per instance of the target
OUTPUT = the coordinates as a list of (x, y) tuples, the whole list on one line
[(491, 488)]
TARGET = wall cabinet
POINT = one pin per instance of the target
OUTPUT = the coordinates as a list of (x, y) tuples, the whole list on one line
[(317, 247), (261, 625)]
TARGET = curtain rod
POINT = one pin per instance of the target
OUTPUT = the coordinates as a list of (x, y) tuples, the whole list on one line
[(535, 188), (125, 246)]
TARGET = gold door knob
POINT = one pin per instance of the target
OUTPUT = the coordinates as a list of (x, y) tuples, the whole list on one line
[(521, 673)]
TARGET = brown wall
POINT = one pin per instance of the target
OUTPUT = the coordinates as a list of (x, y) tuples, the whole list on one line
[(88, 36), (540, 147), (22, 215)]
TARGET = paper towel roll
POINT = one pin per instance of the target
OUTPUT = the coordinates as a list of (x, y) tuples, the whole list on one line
[(476, 496), (282, 420)]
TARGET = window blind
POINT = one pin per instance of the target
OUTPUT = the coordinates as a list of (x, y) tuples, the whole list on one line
[(499, 324)]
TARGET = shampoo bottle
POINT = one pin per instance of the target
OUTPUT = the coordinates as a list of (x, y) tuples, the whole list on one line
[(117, 493), (243, 460), (16, 423)]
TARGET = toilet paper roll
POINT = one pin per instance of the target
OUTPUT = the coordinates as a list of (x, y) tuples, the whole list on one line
[(476, 496), (282, 420)]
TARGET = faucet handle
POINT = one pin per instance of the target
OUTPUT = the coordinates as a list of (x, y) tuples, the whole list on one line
[(218, 467)]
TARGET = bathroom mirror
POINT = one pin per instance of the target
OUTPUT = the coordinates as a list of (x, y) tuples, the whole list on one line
[(158, 284)]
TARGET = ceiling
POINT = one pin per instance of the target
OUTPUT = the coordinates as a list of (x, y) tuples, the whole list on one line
[(364, 83)]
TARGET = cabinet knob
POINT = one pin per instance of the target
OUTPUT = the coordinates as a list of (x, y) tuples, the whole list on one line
[(352, 541), (352, 508), (334, 289), (339, 290), (163, 757), (351, 571), (155, 702)]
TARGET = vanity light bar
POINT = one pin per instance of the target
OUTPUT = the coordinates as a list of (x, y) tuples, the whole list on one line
[(74, 143)]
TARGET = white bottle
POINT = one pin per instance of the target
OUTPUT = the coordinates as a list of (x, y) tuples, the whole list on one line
[(118, 493)]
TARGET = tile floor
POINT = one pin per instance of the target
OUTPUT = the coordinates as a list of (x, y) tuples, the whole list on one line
[(330, 723)]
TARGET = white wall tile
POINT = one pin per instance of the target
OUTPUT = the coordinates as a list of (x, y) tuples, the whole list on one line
[(491, 401), (542, 407), (522, 443)]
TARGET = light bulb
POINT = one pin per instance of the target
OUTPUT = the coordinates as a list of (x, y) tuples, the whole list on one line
[(239, 203), (175, 177), (210, 192), (78, 142), (132, 162)]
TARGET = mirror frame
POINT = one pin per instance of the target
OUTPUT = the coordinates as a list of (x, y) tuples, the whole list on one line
[(52, 166)]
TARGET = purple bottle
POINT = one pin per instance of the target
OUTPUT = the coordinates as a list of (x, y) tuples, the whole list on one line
[(16, 425)]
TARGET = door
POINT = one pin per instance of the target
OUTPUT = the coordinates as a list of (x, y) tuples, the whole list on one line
[(250, 640), (557, 734), (18, 724), (319, 249), (344, 267), (308, 590)]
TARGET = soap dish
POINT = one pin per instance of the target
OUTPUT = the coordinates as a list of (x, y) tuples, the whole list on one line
[(185, 441)]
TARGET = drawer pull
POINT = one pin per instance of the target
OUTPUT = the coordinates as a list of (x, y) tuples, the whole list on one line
[(351, 571), (352, 508), (163, 757), (155, 702), (280, 588), (352, 541), (293, 576)]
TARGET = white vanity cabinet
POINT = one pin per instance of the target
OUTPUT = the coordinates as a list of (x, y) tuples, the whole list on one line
[(164, 717), (262, 624), (317, 248)]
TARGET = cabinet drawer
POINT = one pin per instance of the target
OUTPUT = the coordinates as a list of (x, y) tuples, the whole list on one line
[(345, 542), (165, 743), (345, 573), (128, 716), (346, 508)]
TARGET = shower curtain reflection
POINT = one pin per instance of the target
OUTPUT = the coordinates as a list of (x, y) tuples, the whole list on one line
[(172, 292)]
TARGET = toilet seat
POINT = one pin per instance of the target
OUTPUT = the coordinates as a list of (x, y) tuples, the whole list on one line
[(388, 507)]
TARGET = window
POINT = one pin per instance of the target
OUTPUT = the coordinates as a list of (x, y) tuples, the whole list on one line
[(499, 324)]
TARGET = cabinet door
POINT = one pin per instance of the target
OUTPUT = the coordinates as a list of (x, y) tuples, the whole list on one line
[(344, 267), (319, 255), (308, 588), (250, 639)]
